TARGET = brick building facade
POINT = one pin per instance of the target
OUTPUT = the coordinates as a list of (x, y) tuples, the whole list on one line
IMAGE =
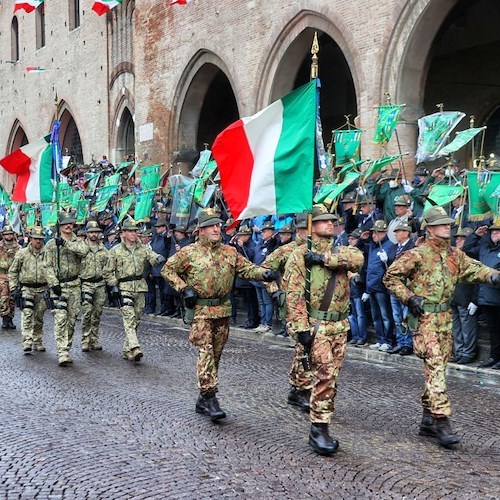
[(154, 79)]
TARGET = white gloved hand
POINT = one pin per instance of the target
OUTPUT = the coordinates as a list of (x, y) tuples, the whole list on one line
[(472, 308), (407, 186), (382, 255), (365, 297)]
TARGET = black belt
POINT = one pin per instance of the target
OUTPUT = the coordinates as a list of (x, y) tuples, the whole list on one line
[(130, 278), (33, 285), (67, 280), (100, 279), (328, 316)]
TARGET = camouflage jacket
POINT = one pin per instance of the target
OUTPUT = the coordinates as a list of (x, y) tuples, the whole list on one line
[(7, 254), (28, 269), (345, 259), (95, 269), (431, 271), (125, 263), (64, 270), (209, 268)]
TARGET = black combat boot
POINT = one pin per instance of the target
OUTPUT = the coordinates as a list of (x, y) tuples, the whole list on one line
[(428, 425), (444, 433), (321, 441), (299, 398), (208, 405), (10, 324), (5, 323)]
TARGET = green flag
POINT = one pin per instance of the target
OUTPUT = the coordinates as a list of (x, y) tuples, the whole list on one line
[(143, 204), (491, 193), (75, 198), (441, 195), (208, 194), (209, 169), (329, 192), (31, 218), (388, 116), (48, 214), (182, 194), (478, 207), (349, 167), (377, 165), (82, 211), (347, 145), (199, 168), (126, 204), (64, 195), (112, 180), (102, 197), (90, 183), (150, 177), (461, 139), (124, 166), (198, 190)]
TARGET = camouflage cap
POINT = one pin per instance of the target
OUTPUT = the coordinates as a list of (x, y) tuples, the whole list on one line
[(436, 216), (464, 232), (320, 212), (37, 233), (65, 219), (355, 234), (380, 226), (244, 229), (267, 225), (403, 226), (129, 225), (92, 227), (301, 220), (209, 217), (8, 229), (287, 228), (402, 201)]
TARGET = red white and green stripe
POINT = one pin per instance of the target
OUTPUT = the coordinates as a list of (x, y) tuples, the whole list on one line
[(266, 161), (27, 5), (103, 6), (33, 166)]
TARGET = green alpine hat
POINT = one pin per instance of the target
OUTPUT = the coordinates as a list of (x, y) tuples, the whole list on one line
[(92, 227), (464, 232), (65, 218), (161, 222), (436, 216), (7, 230), (380, 226), (355, 234), (402, 201), (129, 225), (267, 225), (320, 212), (209, 217), (287, 228), (301, 221), (403, 226), (37, 233), (244, 230), (181, 228)]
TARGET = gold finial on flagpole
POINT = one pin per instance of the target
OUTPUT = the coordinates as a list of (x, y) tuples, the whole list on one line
[(440, 106), (387, 98), (314, 52)]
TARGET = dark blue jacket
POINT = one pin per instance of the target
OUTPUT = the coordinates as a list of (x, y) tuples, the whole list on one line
[(248, 251), (375, 268), (262, 250), (484, 250), (160, 244)]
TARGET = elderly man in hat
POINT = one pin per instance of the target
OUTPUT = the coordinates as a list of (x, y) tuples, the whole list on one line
[(424, 279), (8, 250), (94, 276), (161, 244), (203, 273), (127, 262), (63, 258), (403, 215), (318, 308), (28, 284)]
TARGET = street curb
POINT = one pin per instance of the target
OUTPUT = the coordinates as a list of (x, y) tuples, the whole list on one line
[(483, 375)]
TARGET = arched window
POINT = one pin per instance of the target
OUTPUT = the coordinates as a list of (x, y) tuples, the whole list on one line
[(14, 40), (74, 14), (40, 26)]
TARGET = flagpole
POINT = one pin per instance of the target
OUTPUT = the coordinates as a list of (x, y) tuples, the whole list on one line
[(56, 178)]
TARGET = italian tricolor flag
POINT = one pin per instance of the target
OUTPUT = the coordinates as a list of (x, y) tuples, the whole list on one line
[(266, 161), (27, 5), (103, 6), (33, 166)]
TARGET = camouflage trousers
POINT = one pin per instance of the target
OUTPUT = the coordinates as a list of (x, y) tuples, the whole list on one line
[(133, 305), (66, 310), (93, 300), (299, 378), (210, 337), (32, 318), (327, 356), (7, 306), (433, 343)]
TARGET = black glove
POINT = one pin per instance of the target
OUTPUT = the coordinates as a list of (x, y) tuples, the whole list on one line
[(189, 296), (115, 293), (57, 290), (59, 241), (495, 280), (16, 296), (415, 305), (279, 298), (160, 259), (314, 259), (270, 275), (305, 338), (356, 280)]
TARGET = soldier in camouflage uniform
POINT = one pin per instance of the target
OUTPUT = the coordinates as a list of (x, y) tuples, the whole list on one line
[(94, 276), (424, 278), (63, 256), (28, 284), (204, 273), (127, 262), (300, 379), (8, 249), (322, 333)]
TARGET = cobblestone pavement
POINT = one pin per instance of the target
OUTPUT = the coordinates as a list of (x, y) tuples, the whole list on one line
[(107, 428)]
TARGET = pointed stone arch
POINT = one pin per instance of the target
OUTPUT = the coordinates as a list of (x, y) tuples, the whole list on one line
[(17, 137), (69, 135)]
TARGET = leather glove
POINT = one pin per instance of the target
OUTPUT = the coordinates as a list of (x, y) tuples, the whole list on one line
[(382, 255), (472, 308), (189, 296), (415, 305), (270, 275), (279, 297), (115, 293), (305, 338), (160, 259), (57, 290), (365, 297), (495, 280), (314, 259), (59, 241), (16, 296), (356, 280)]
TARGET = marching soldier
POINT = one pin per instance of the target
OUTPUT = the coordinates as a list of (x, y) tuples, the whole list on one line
[(203, 273), (94, 276), (424, 278), (321, 323), (28, 284), (127, 262), (8, 249), (63, 256)]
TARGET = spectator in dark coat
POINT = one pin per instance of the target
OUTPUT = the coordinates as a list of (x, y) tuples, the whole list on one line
[(161, 245)]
